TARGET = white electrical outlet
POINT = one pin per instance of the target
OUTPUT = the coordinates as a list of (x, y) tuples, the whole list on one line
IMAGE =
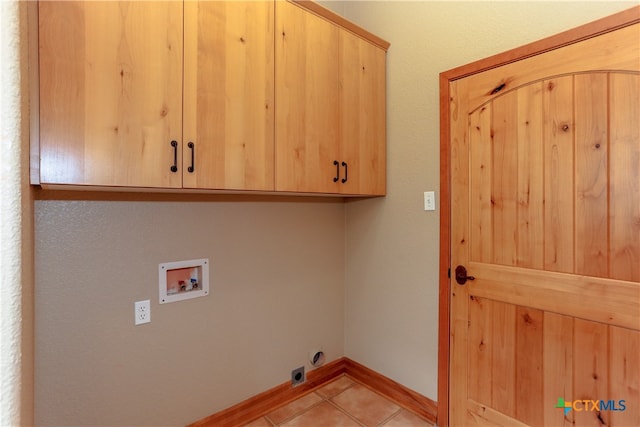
[(142, 312)]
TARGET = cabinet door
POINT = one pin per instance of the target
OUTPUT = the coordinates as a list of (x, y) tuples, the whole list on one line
[(228, 95), (308, 115), (110, 92), (363, 139)]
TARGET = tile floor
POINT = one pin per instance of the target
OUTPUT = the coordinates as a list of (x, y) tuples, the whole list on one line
[(341, 403)]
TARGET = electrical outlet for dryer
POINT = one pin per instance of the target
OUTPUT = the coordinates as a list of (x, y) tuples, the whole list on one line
[(297, 376)]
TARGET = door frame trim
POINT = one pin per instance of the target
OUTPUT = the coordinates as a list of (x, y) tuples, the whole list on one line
[(583, 32)]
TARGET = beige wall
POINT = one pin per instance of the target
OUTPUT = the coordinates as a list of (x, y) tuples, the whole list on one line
[(277, 273), (391, 294)]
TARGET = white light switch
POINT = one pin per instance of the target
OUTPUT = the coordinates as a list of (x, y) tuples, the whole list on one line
[(429, 201)]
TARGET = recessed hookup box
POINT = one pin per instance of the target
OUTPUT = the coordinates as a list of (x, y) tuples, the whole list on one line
[(181, 280)]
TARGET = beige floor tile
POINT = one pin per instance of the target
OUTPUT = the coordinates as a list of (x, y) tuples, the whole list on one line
[(294, 408), (335, 387), (407, 419), (322, 415), (368, 407)]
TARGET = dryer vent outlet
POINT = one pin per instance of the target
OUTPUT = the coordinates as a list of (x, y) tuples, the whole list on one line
[(297, 376)]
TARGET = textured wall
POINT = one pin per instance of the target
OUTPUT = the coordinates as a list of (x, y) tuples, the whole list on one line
[(27, 251), (10, 217), (16, 249), (391, 305), (276, 292)]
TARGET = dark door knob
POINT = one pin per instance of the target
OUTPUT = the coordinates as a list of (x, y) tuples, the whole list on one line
[(461, 275)]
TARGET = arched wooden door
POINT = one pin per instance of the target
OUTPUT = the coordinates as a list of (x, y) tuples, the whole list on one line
[(545, 216)]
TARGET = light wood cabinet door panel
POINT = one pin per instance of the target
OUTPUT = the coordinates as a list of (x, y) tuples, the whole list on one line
[(363, 121), (228, 95), (110, 92), (330, 112), (308, 101)]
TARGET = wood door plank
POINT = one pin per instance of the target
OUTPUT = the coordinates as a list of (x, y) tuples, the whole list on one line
[(624, 172), (457, 335), (529, 364), (480, 349), (558, 175), (530, 179), (591, 221), (504, 178), (558, 367), (461, 157), (624, 369), (480, 146), (503, 363), (591, 342), (598, 299), (481, 415)]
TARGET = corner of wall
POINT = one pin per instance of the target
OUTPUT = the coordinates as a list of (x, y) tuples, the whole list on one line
[(16, 230), (27, 406)]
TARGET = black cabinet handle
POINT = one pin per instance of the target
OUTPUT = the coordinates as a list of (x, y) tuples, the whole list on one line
[(346, 172), (174, 168), (192, 146), (337, 165)]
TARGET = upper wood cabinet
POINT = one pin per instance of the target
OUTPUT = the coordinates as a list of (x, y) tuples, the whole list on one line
[(110, 93), (113, 108), (330, 112), (212, 95), (228, 95)]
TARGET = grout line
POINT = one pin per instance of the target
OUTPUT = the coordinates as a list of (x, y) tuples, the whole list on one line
[(297, 414), (335, 405), (342, 391), (390, 417), (329, 400)]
